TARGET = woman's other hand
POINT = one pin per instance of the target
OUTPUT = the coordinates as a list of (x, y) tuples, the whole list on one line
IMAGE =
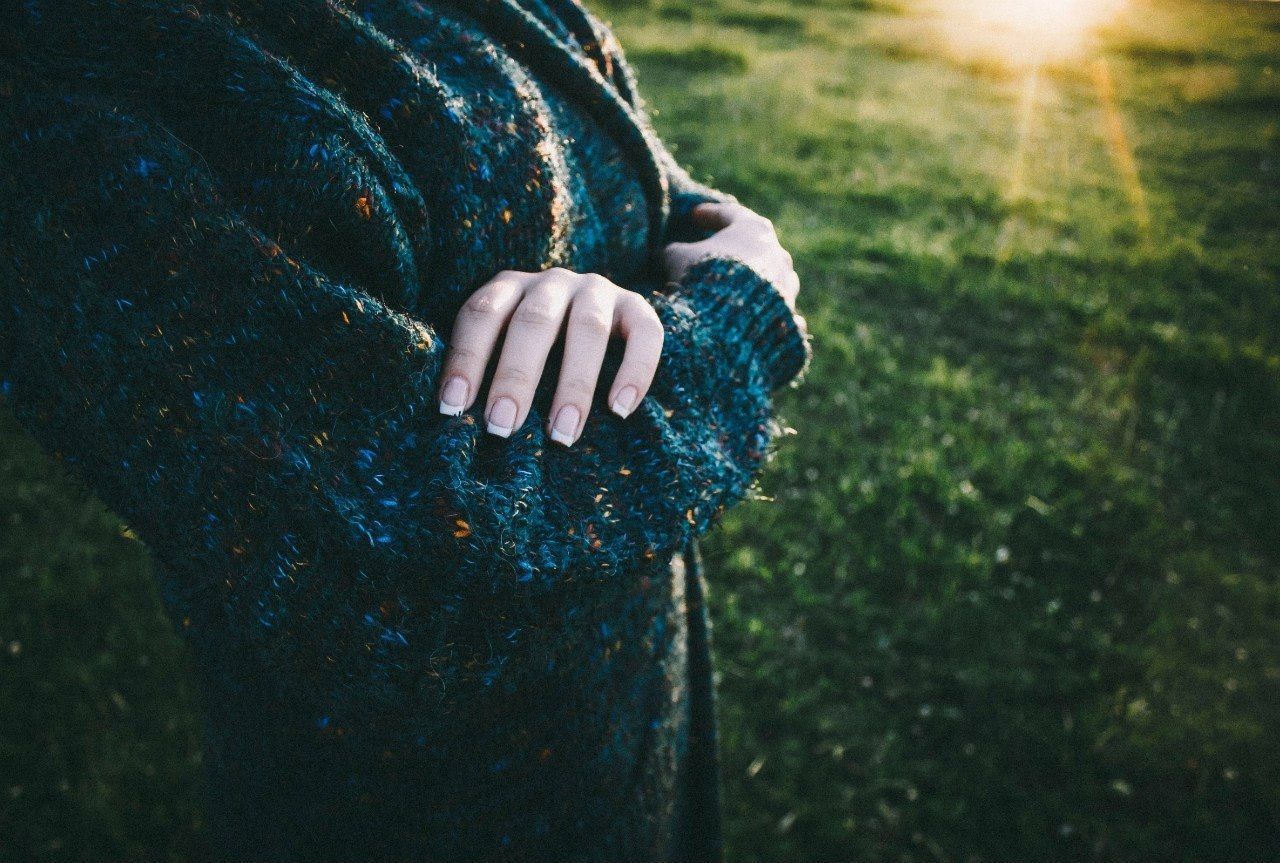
[(532, 308), (740, 233)]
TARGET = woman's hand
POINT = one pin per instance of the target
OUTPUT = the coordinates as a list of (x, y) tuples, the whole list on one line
[(740, 233), (533, 307)]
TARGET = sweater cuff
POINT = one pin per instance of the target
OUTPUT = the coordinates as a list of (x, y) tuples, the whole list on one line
[(736, 301)]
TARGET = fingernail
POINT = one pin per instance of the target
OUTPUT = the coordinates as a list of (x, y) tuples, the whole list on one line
[(454, 397), (502, 417), (566, 425), (624, 402)]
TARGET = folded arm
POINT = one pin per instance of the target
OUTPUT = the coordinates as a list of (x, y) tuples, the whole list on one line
[(274, 434)]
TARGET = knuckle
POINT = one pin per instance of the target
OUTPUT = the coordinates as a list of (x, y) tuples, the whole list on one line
[(557, 278), (552, 281), (576, 385), (632, 310), (648, 318), (593, 323), (512, 376), (549, 291), (758, 222), (537, 313), (598, 283), (481, 304)]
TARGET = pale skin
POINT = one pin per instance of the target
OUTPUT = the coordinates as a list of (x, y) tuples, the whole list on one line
[(528, 312)]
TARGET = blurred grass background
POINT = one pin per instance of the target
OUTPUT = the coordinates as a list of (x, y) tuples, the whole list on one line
[(1012, 593)]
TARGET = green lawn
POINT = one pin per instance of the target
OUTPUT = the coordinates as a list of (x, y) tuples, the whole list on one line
[(1011, 592)]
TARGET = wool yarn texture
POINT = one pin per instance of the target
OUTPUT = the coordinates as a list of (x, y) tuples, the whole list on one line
[(234, 235)]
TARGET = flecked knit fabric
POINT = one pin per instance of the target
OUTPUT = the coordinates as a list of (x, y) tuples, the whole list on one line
[(233, 237)]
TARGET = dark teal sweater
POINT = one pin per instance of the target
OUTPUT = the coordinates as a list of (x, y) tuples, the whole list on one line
[(233, 237)]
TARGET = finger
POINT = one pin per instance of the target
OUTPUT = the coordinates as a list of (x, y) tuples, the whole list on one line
[(678, 257), (475, 333), (591, 322), (791, 288), (637, 321), (533, 329)]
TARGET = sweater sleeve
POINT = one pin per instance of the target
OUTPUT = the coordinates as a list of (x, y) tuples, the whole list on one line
[(272, 433), (686, 192)]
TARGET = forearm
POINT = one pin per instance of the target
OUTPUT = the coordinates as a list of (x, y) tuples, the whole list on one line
[(174, 354)]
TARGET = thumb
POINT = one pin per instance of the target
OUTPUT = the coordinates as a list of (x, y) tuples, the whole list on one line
[(711, 215)]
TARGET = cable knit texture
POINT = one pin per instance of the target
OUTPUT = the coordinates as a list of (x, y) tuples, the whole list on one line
[(233, 237)]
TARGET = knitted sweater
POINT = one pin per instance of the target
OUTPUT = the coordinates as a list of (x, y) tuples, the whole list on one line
[(233, 237)]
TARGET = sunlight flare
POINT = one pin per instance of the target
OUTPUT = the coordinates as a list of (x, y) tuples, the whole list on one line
[(1032, 30), (1121, 149)]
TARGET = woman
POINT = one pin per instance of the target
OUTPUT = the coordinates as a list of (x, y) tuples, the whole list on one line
[(258, 258)]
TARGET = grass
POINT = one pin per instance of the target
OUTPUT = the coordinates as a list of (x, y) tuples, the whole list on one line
[(1011, 590)]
